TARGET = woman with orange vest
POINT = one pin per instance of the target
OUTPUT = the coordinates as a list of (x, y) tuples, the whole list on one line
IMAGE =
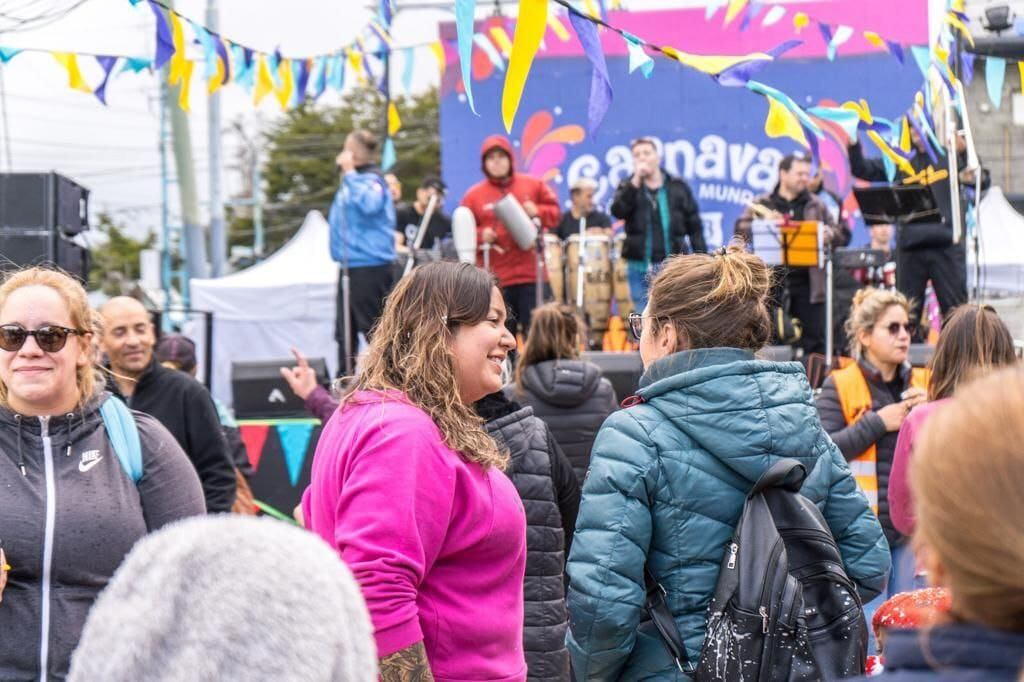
[(863, 404)]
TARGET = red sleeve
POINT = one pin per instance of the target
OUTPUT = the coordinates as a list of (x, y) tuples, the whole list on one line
[(548, 210)]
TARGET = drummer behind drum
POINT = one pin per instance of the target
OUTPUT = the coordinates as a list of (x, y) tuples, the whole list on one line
[(515, 268), (582, 195), (661, 213), (408, 218)]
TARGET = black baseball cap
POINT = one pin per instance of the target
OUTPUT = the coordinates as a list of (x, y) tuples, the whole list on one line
[(433, 182)]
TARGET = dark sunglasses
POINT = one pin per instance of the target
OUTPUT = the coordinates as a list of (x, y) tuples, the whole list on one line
[(894, 328), (50, 338)]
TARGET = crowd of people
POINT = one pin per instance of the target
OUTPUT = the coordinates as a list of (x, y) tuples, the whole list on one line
[(482, 508)]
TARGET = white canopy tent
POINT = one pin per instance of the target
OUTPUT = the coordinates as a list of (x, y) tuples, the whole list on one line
[(1001, 247), (260, 313)]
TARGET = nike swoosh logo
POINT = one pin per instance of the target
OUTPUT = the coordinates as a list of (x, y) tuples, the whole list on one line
[(85, 466)]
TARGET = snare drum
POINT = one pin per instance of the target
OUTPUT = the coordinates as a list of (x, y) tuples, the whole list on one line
[(554, 260), (597, 283)]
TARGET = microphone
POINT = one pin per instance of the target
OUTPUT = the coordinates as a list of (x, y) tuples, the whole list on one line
[(464, 234)]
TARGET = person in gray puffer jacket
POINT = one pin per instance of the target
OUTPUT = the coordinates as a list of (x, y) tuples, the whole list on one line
[(69, 513), (551, 497), (567, 393), (229, 598)]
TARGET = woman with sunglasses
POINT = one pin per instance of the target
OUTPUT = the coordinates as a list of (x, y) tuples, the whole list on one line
[(69, 512), (670, 473), (863, 405), (409, 488)]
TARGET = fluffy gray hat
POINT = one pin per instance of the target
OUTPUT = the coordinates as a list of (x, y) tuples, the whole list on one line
[(228, 598)]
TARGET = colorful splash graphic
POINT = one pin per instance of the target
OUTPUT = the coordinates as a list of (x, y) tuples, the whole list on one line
[(542, 147)]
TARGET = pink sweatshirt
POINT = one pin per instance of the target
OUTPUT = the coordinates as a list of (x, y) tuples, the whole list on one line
[(901, 502), (437, 543)]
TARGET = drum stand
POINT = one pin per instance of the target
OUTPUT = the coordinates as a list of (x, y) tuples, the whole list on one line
[(539, 248), (485, 248), (581, 267), (421, 232)]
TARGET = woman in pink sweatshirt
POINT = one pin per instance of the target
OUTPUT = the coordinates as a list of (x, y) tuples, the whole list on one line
[(974, 341), (408, 486)]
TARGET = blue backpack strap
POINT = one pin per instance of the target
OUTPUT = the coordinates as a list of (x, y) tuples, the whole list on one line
[(124, 436)]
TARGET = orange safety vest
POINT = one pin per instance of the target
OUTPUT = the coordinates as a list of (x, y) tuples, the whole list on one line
[(855, 400)]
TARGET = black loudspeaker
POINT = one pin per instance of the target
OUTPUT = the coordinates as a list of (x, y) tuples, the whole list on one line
[(259, 391), (43, 201), (622, 369), (21, 247)]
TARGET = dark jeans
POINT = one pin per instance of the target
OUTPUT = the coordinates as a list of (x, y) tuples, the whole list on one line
[(521, 299), (811, 315), (945, 266), (368, 287)]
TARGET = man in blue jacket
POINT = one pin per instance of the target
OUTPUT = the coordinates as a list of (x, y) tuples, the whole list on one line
[(362, 221)]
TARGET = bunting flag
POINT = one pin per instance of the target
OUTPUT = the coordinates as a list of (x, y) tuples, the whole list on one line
[(738, 76), (714, 65), (438, 50), (178, 60), (164, 40), (185, 85), (394, 120), (408, 62), (464, 19), (8, 53), (254, 436), (530, 25), (600, 84), (781, 122), (264, 81), (107, 64), (70, 63), (294, 437), (638, 57), (388, 156), (1020, 72), (286, 83), (995, 76), (336, 78), (967, 66)]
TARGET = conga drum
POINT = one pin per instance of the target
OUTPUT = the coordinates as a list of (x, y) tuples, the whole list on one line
[(597, 281), (554, 260), (620, 286)]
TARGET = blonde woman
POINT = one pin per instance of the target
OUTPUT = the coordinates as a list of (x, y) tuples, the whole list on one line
[(69, 512), (409, 488), (967, 475)]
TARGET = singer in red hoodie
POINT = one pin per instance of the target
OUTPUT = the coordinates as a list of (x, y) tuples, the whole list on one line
[(515, 268)]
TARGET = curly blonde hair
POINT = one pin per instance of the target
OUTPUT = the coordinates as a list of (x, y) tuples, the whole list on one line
[(83, 318), (869, 305), (411, 352)]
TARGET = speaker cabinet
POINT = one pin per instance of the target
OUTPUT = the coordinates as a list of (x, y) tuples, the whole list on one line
[(46, 201), (259, 391), (21, 248)]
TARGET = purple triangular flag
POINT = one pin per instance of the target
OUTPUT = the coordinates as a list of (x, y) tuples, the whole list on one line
[(164, 40), (600, 84), (967, 59), (107, 64)]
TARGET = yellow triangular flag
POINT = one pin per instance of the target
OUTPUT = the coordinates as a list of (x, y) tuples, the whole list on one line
[(905, 135), (284, 74), (264, 81), (713, 64), (177, 68), (800, 21), (438, 50), (70, 62), (394, 121), (217, 79), (186, 81), (355, 60), (781, 122), (884, 147), (533, 18), (955, 21), (1020, 70), (735, 6)]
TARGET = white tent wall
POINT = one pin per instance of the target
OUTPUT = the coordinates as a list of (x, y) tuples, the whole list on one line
[(260, 313), (1001, 248)]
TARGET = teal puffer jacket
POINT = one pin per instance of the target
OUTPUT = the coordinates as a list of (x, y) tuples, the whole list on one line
[(666, 486)]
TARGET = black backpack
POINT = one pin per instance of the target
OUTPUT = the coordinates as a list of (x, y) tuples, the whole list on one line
[(784, 608)]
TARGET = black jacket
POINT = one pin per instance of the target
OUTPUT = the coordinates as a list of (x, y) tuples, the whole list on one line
[(957, 652), (920, 235), (570, 224), (869, 430), (635, 206), (186, 409), (573, 399), (551, 499)]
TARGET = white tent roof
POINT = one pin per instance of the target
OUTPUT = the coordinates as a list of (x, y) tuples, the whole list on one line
[(260, 313)]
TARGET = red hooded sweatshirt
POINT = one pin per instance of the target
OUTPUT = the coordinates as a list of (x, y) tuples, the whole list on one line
[(510, 264)]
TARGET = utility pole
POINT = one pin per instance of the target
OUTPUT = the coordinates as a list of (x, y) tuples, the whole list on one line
[(257, 206), (218, 238), (195, 243)]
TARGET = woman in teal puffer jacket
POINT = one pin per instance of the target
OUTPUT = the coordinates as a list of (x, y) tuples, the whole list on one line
[(669, 474)]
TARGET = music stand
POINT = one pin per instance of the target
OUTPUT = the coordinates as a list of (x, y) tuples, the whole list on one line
[(898, 204)]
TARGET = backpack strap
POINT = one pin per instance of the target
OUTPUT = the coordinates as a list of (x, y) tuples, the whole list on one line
[(663, 621), (785, 473), (124, 436)]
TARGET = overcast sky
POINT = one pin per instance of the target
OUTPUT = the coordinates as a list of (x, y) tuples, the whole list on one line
[(113, 150)]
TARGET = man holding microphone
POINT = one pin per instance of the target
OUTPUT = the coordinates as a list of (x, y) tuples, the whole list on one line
[(660, 215)]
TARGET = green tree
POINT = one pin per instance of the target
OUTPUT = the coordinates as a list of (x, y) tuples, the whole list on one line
[(300, 172), (116, 259)]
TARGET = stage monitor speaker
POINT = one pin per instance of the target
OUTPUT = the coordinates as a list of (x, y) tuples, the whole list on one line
[(260, 392), (622, 369), (21, 248), (46, 201)]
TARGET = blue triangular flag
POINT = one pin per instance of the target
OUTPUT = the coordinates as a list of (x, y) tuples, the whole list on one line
[(995, 75), (387, 156), (294, 444), (8, 53)]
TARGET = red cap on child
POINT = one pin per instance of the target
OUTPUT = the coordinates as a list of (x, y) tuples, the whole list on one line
[(912, 609)]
